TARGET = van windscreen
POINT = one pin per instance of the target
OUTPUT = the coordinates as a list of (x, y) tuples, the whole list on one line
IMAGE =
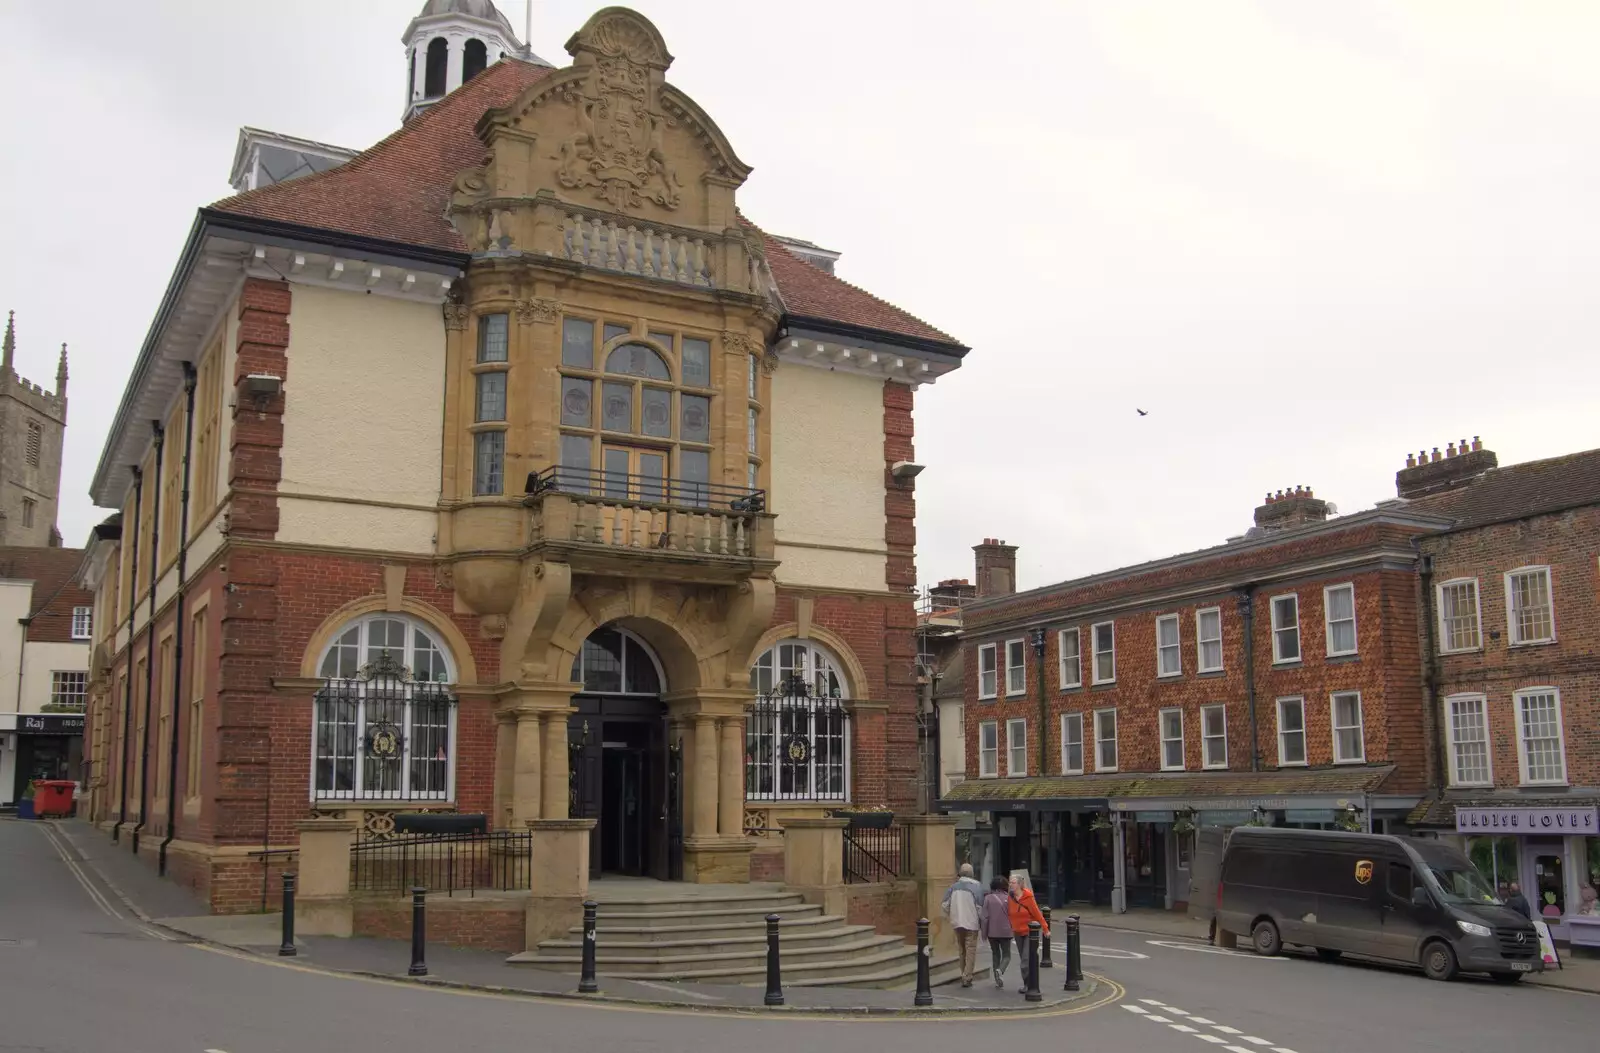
[(1461, 884)]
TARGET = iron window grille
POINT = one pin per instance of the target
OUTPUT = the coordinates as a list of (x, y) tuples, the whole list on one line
[(797, 745)]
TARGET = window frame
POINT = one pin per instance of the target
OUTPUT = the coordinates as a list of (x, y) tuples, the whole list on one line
[(1166, 740), (993, 671), (1453, 742), (1094, 647), (1512, 637), (1200, 642), (1206, 763), (1517, 698), (365, 654), (1176, 647), (822, 718), (1328, 620), (1011, 747), (65, 677), (1066, 768), (85, 617), (1477, 615), (1077, 657), (1305, 751), (1020, 668), (1098, 740), (993, 769), (1360, 726), (1279, 630)]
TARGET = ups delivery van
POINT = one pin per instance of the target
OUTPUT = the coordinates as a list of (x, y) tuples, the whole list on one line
[(1398, 898)]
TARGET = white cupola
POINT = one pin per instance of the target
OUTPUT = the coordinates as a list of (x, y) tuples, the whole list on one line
[(452, 41)]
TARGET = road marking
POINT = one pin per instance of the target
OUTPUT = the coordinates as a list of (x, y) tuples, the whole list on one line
[(1216, 1039), (1238, 1049), (1175, 1011), (1180, 945), (1185, 1028), (1200, 1020), (676, 990), (1280, 1049), (1141, 1010), (82, 878), (1112, 952), (1255, 1041), (1158, 1019), (1152, 1001)]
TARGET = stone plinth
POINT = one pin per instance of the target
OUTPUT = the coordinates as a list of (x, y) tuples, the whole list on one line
[(322, 901), (560, 877)]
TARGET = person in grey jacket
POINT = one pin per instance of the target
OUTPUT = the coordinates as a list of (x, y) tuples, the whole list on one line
[(962, 901), (995, 924)]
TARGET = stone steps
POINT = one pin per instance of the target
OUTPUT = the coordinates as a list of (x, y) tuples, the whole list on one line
[(721, 939)]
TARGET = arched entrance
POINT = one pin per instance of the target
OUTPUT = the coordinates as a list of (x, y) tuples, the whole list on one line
[(626, 772)]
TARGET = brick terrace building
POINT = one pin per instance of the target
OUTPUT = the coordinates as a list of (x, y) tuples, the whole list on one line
[(1297, 676), (464, 476)]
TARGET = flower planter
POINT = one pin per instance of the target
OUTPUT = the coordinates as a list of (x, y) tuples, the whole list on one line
[(865, 820)]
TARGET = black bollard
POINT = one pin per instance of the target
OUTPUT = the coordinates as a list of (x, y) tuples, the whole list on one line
[(587, 983), (286, 948), (1031, 966), (1074, 954), (924, 954), (1044, 952), (419, 932), (774, 979)]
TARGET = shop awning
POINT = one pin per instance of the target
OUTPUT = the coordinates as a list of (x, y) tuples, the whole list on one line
[(1441, 811), (1290, 788)]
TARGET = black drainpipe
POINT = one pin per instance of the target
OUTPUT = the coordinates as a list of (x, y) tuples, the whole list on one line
[(1247, 615), (1430, 678), (177, 635), (127, 679), (1044, 705), (150, 640)]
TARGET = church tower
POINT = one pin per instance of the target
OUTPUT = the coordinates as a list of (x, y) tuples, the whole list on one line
[(451, 42), (33, 423)]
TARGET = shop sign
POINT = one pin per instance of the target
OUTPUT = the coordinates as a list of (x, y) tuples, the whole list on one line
[(1527, 820), (1237, 817), (1308, 815), (48, 724), (1153, 817)]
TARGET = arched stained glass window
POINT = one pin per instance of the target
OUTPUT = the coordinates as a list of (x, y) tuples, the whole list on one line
[(614, 661), (384, 723)]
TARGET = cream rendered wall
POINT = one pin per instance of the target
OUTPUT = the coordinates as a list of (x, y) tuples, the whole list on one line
[(363, 415), (40, 661), (827, 477), (15, 598)]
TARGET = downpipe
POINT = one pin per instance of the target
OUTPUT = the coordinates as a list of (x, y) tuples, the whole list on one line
[(127, 679), (178, 625), (150, 640)]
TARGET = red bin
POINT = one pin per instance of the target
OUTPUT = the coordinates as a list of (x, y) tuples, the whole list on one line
[(53, 796)]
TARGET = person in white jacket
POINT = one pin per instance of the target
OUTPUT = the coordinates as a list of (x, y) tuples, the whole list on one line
[(961, 902)]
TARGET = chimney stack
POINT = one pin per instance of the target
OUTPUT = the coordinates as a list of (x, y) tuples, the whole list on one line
[(1287, 509), (951, 594), (997, 568), (1425, 474)]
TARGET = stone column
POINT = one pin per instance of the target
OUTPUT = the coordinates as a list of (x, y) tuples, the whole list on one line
[(525, 786), (933, 867), (322, 905), (813, 862), (455, 63), (559, 881), (705, 777), (505, 762), (730, 785), (554, 799)]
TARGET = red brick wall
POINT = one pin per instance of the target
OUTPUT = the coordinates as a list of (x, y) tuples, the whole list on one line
[(1385, 670), (889, 906), (486, 924), (1569, 544)]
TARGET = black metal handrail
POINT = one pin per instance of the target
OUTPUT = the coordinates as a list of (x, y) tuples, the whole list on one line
[(644, 489), (443, 862), (875, 855)]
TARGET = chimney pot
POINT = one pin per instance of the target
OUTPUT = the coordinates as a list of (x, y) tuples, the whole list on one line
[(1450, 450), (1436, 456), (1476, 445), (1411, 460)]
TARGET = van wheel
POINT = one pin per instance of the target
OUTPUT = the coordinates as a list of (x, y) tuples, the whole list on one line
[(1507, 978), (1328, 954), (1439, 961), (1266, 939)]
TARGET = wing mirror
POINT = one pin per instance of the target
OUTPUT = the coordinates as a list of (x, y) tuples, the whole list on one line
[(1420, 898)]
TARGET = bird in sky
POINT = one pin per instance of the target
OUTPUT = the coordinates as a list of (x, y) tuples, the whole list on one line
[(1140, 412)]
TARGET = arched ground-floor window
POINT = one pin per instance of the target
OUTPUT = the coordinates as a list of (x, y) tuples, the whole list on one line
[(384, 718), (797, 734)]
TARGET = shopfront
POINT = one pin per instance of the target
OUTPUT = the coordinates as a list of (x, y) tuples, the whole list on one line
[(43, 746), (1552, 852)]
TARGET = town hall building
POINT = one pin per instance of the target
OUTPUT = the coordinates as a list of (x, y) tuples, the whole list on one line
[(505, 468)]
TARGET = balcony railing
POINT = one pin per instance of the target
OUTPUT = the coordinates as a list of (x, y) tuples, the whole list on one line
[(644, 514)]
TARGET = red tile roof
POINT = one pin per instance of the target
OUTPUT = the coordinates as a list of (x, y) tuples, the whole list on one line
[(398, 190), (1518, 491), (53, 572)]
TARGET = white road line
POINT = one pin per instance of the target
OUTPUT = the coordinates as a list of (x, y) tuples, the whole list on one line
[(1185, 1028), (1180, 945), (1226, 1030), (1215, 1039), (1158, 1019), (1238, 1049), (1141, 1010), (1200, 1020), (1116, 953), (1175, 1011), (1253, 1040), (677, 990), (1280, 1049), (82, 878), (1151, 1001)]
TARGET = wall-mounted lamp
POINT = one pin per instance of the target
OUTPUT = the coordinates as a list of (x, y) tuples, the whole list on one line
[(262, 388), (904, 470)]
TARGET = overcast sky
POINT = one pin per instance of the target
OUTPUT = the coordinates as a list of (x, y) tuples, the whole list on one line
[(1306, 237)]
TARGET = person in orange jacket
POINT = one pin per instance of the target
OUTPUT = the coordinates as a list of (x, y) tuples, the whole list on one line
[(1023, 908)]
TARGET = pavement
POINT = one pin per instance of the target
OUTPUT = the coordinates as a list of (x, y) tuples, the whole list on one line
[(80, 972)]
